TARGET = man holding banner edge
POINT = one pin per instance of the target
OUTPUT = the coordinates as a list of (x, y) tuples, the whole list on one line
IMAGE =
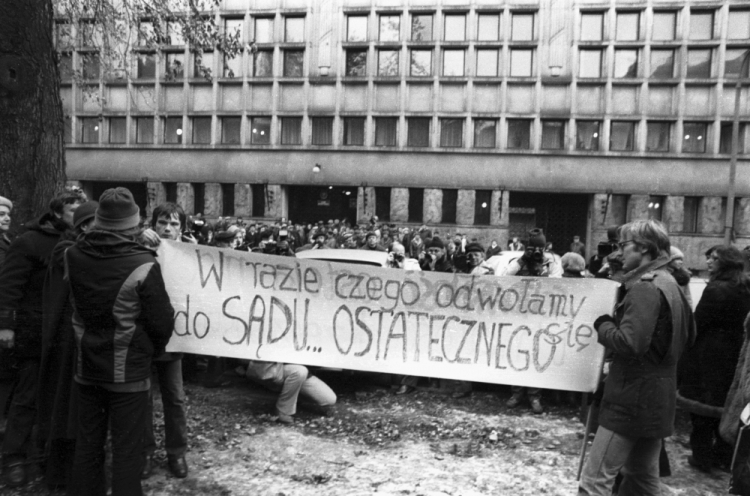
[(652, 325)]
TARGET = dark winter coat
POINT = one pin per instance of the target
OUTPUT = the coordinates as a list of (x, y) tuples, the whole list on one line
[(653, 324), (22, 280), (122, 316), (57, 412), (739, 392), (4, 246), (708, 367)]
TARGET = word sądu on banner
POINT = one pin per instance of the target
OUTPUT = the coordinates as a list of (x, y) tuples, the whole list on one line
[(523, 331)]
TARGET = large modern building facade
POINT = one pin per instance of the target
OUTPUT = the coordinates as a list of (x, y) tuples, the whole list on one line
[(473, 116)]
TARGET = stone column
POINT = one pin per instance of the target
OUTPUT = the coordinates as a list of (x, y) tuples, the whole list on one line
[(365, 203), (400, 205), (243, 200), (213, 201), (157, 194), (274, 200), (638, 207), (465, 207), (186, 197), (673, 215), (711, 220), (500, 205), (500, 216), (742, 216), (433, 206)]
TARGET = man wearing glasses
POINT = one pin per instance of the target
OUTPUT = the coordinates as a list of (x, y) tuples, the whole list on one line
[(652, 324)]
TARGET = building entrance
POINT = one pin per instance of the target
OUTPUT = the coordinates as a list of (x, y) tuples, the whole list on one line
[(314, 203), (561, 216)]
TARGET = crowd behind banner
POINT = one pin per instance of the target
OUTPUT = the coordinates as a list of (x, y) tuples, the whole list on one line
[(85, 318)]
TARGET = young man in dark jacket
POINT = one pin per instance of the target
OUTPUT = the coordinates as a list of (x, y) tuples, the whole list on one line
[(169, 222), (21, 283), (122, 318), (652, 325)]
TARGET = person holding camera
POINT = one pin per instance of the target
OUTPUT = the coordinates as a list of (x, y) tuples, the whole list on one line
[(535, 262), (435, 258)]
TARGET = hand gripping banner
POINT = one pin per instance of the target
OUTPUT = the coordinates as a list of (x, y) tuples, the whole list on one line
[(508, 330)]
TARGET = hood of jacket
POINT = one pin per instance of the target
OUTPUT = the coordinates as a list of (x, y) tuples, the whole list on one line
[(110, 244), (48, 224)]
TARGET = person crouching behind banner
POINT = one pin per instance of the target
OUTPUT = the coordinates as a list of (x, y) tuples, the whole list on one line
[(122, 317), (651, 327), (169, 222), (291, 380)]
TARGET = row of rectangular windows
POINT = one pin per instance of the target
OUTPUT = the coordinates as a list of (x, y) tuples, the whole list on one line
[(663, 63), (622, 134), (594, 26)]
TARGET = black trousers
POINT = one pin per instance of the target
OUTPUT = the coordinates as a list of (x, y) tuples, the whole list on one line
[(708, 446), (125, 414), (22, 413)]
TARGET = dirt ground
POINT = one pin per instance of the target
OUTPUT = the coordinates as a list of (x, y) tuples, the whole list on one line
[(425, 443)]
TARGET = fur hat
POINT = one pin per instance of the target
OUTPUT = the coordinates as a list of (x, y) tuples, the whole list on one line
[(4, 202), (474, 247), (573, 262), (536, 239), (117, 210), (84, 212), (436, 242)]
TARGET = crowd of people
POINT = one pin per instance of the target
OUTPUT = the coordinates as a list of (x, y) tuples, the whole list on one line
[(85, 318)]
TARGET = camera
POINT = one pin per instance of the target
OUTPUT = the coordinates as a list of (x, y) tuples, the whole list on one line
[(604, 249)]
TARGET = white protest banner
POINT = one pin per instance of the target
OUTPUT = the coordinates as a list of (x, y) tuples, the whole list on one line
[(508, 330)]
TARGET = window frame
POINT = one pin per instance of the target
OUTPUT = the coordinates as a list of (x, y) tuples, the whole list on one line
[(701, 140), (262, 123), (417, 136), (227, 139), (444, 131), (631, 136), (349, 33)]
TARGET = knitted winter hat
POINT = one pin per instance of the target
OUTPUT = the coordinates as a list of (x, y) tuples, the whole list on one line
[(536, 238), (84, 212), (117, 210), (4, 202)]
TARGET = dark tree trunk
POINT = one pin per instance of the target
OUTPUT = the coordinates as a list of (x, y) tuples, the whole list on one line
[(32, 152)]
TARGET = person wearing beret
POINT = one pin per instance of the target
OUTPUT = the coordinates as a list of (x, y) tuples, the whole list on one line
[(5, 207), (7, 371), (651, 326)]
